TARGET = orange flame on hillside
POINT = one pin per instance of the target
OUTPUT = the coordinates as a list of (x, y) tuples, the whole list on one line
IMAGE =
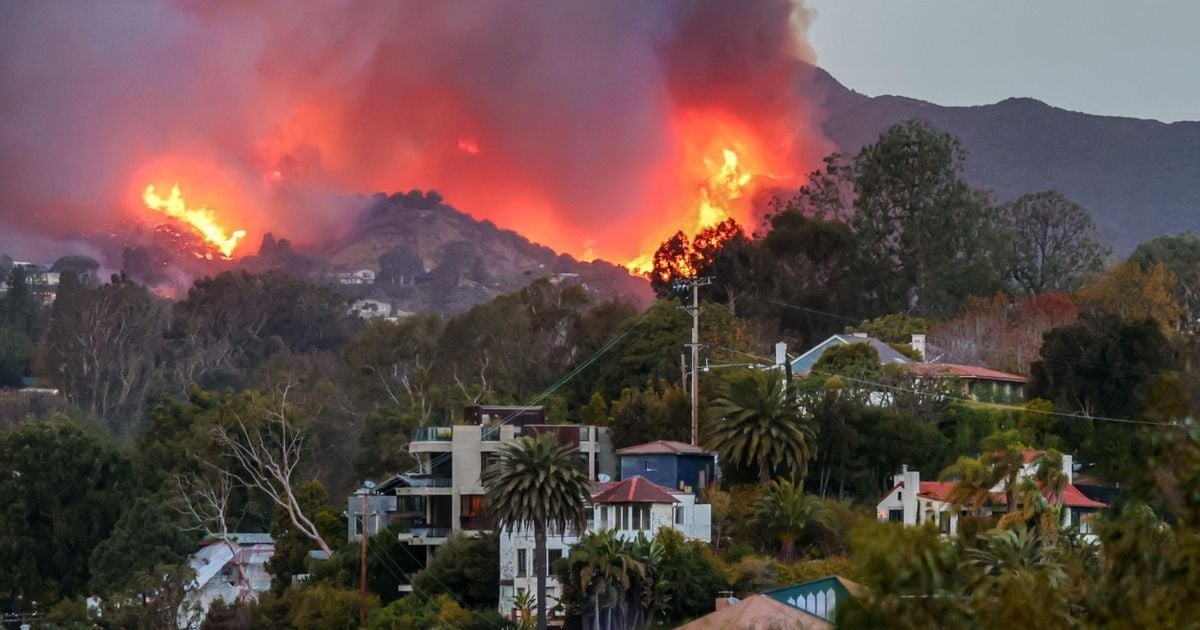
[(727, 182), (202, 220)]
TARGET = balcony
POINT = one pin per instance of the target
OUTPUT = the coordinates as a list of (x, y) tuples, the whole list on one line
[(430, 532), (416, 481), (433, 434), (476, 523), (491, 433)]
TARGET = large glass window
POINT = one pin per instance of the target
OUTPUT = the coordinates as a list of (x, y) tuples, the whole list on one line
[(896, 516), (522, 560)]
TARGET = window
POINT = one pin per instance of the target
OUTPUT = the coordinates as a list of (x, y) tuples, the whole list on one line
[(651, 466), (679, 515), (944, 522), (604, 517), (641, 517), (896, 516), (552, 556), (522, 569)]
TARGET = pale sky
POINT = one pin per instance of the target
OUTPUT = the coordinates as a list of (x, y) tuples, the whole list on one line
[(1122, 58)]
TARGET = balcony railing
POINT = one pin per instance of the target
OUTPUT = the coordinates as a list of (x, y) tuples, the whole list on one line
[(430, 482), (433, 434), (430, 532)]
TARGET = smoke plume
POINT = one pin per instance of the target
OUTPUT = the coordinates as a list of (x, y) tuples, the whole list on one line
[(579, 124)]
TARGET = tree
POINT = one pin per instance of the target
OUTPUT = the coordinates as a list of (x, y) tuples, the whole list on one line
[(466, 568), (926, 239), (786, 511), (1180, 254), (537, 484), (893, 327), (1055, 243), (1002, 332), (598, 576), (292, 544), (643, 415), (264, 455), (147, 535), (391, 364), (757, 423), (1000, 463), (102, 347), (62, 488), (1133, 294)]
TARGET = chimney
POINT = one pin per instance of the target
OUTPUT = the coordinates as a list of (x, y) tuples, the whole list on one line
[(780, 353), (918, 344), (724, 600)]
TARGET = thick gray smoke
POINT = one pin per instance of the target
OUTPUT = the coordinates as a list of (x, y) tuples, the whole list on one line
[(557, 119)]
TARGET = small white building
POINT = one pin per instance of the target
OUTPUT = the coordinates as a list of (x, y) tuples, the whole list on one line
[(913, 502), (231, 570), (362, 276), (633, 506), (371, 309)]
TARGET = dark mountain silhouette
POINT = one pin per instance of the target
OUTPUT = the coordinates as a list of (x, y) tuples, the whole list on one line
[(1139, 178)]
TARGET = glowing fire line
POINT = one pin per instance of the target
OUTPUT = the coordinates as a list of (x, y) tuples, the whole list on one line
[(726, 183), (203, 220)]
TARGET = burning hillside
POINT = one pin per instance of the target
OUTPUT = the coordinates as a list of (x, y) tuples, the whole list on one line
[(598, 129)]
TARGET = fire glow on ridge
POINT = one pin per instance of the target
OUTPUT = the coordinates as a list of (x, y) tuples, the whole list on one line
[(202, 220)]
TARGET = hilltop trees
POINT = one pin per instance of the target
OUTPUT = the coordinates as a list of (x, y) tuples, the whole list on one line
[(1054, 242)]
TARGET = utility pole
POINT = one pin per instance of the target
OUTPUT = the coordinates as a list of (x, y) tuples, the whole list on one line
[(694, 311), (363, 533)]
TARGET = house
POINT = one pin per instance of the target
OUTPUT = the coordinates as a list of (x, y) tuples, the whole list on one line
[(803, 364), (819, 597), (232, 570), (631, 507), (445, 493), (371, 309), (670, 464), (757, 612), (977, 383), (913, 502), (362, 276)]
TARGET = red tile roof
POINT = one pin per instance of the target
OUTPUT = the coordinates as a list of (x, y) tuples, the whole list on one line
[(663, 447), (1072, 497), (635, 490), (936, 490), (965, 372)]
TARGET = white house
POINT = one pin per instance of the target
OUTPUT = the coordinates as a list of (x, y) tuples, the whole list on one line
[(371, 309), (632, 506), (233, 570), (362, 276), (913, 502)]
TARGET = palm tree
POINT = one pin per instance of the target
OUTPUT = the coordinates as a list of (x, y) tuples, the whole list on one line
[(758, 423), (785, 510), (1001, 463), (539, 484), (603, 568)]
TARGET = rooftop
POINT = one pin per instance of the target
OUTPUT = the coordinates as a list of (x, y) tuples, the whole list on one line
[(635, 489), (758, 612), (663, 447), (966, 372)]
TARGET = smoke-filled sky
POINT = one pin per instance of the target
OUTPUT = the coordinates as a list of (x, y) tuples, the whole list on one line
[(583, 125)]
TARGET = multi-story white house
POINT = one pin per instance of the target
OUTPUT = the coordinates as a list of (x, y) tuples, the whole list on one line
[(913, 502), (630, 507), (446, 493)]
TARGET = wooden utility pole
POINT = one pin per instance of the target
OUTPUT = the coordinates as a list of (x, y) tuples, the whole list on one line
[(362, 587), (694, 311)]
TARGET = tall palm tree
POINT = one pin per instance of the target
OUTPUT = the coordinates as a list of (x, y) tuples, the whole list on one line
[(758, 423), (1001, 462), (603, 568), (786, 510), (539, 484)]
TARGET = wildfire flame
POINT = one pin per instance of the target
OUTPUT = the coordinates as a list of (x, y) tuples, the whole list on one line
[(726, 183), (202, 220)]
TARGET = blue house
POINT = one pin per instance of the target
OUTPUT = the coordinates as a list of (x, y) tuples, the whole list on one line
[(804, 363), (820, 597), (670, 464)]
